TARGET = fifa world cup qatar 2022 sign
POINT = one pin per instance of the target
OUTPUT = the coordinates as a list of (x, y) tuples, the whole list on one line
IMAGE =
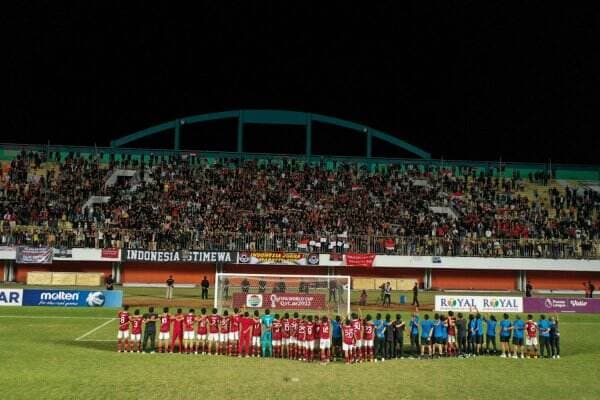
[(286, 301)]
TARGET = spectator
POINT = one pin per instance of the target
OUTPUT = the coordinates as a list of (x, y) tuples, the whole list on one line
[(363, 298), (415, 291), (205, 285), (528, 289), (170, 283), (109, 282)]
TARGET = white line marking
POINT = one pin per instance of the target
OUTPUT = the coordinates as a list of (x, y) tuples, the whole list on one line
[(95, 329), (50, 317)]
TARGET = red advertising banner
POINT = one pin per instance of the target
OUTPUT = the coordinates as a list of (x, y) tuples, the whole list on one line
[(359, 260), (110, 253), (280, 301)]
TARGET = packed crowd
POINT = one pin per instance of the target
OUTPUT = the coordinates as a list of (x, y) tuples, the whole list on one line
[(174, 202), (353, 339)]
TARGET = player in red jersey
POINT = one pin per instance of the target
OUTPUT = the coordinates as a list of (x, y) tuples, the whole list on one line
[(348, 336), (301, 338), (531, 341), (368, 338), (358, 350), (293, 349), (234, 331), (188, 331), (136, 331), (123, 335), (165, 329), (224, 325), (451, 334), (325, 339), (277, 329), (201, 337), (309, 341), (213, 331), (177, 331), (285, 335), (246, 325), (256, 333), (317, 341)]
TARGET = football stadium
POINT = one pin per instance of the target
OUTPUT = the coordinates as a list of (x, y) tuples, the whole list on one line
[(384, 204)]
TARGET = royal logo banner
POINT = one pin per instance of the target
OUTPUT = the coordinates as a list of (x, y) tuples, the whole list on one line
[(178, 256), (359, 260), (561, 305), (34, 255), (11, 297), (479, 303), (277, 258), (283, 301)]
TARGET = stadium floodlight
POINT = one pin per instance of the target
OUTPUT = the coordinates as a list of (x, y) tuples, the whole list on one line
[(302, 293)]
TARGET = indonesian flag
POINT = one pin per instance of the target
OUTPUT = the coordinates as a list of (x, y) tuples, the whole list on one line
[(294, 193), (303, 244), (356, 187)]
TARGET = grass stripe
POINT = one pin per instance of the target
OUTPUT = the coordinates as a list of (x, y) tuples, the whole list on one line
[(95, 329)]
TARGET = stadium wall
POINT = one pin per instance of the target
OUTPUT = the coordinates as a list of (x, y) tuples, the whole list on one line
[(21, 270), (474, 279), (145, 272)]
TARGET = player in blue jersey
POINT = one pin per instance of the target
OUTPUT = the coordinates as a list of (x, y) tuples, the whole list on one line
[(505, 328), (490, 334), (544, 326), (266, 338), (518, 330), (472, 336), (426, 334), (414, 325), (555, 337), (478, 333), (437, 335)]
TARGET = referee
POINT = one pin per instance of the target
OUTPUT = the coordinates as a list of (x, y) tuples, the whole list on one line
[(150, 330)]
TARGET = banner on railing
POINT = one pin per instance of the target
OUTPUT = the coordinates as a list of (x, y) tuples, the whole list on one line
[(62, 253), (34, 255), (285, 301), (277, 258), (179, 256), (359, 260), (478, 303), (110, 253), (561, 305)]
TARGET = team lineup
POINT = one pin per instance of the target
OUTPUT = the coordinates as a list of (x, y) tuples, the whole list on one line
[(318, 338)]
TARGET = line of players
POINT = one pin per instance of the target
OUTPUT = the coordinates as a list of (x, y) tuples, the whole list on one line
[(309, 338)]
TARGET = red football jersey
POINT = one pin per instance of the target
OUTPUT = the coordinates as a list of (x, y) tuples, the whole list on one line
[(348, 334), (136, 325), (165, 323), (224, 324), (324, 330), (123, 320), (310, 331), (235, 323), (188, 322), (285, 323), (256, 328), (357, 325), (213, 323), (294, 323), (368, 331), (451, 327), (178, 322), (202, 325), (301, 333), (277, 329), (317, 325), (531, 328), (246, 324)]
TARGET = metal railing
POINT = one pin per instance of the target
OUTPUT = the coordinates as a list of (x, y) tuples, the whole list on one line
[(235, 241)]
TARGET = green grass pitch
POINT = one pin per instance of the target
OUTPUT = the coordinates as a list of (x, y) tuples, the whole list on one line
[(56, 353)]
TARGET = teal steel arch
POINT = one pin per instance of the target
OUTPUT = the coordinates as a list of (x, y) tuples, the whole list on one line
[(274, 117)]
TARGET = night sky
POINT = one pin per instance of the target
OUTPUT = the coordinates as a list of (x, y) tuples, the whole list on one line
[(472, 80)]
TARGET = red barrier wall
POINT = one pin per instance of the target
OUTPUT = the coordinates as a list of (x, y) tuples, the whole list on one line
[(159, 272), (63, 266), (562, 279), (474, 279)]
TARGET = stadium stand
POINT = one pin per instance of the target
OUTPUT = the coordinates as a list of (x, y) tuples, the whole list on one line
[(188, 201)]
